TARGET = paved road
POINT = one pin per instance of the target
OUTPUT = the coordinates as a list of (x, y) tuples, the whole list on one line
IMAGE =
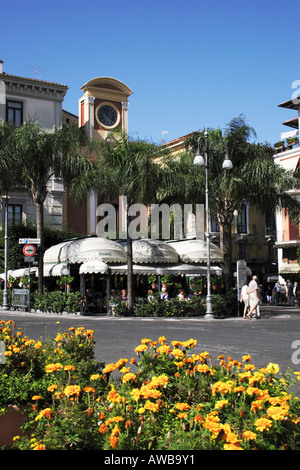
[(270, 339)]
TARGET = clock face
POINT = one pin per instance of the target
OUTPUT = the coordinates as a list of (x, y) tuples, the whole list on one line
[(107, 115)]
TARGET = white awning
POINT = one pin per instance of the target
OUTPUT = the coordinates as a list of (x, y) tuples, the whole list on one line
[(150, 250), (93, 266), (85, 249), (54, 269), (195, 251), (177, 269), (16, 273)]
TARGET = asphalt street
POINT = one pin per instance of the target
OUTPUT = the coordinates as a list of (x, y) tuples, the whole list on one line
[(275, 338)]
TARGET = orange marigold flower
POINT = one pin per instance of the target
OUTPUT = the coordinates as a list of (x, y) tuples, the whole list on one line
[(36, 397), (182, 415), (113, 396), (127, 377), (262, 424), (249, 435), (162, 339), (103, 428), (69, 368), (109, 368), (164, 348), (46, 412), (72, 390), (154, 407), (53, 367), (198, 419), (277, 412), (88, 389), (182, 406), (141, 348)]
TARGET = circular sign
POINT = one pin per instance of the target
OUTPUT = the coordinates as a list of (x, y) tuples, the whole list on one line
[(29, 250)]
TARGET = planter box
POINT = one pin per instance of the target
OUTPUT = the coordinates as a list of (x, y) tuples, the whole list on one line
[(10, 425)]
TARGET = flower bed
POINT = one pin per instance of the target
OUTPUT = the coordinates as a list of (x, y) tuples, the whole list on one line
[(165, 398)]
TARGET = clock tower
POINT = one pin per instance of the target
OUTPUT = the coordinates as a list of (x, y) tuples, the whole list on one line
[(104, 106)]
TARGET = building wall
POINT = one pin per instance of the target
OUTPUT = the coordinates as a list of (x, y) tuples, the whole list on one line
[(42, 102)]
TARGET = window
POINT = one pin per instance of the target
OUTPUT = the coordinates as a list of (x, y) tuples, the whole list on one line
[(243, 251), (14, 113), (242, 220), (14, 214)]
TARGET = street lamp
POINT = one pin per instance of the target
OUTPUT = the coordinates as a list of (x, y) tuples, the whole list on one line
[(227, 165), (5, 293)]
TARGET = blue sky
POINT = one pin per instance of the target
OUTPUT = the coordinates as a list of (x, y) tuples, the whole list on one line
[(189, 63)]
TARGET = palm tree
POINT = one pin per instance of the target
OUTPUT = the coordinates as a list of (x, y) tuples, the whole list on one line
[(124, 167), (254, 178), (37, 157)]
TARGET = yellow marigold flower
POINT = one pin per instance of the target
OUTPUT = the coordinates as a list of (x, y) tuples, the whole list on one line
[(182, 415), (121, 362), (272, 368), (222, 387), (38, 345), (145, 341), (113, 396), (246, 358), (46, 412), (232, 446), (136, 394), (162, 339), (69, 368), (154, 407), (95, 376), (190, 343), (127, 377), (124, 370), (16, 350), (51, 388), (39, 447), (114, 419), (72, 390), (219, 404), (53, 367), (203, 368), (249, 435), (148, 392), (277, 412), (36, 397), (262, 424), (164, 349), (141, 348), (109, 368), (256, 405), (177, 353), (88, 389), (59, 337), (182, 406), (159, 381)]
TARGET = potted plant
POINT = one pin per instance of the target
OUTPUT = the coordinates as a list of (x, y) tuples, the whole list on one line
[(279, 145), (292, 141)]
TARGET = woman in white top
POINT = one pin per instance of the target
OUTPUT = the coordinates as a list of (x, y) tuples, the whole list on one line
[(245, 297)]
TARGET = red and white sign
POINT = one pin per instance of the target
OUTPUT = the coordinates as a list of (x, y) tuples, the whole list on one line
[(29, 250)]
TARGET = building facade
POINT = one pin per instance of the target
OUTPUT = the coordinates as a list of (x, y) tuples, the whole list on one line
[(102, 108), (24, 99), (288, 156)]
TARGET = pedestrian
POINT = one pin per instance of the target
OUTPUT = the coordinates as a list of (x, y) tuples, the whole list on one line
[(294, 294), (289, 286), (277, 291), (254, 299), (245, 297), (269, 295)]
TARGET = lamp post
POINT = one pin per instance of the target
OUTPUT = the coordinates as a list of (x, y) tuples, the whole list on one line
[(227, 165), (5, 293)]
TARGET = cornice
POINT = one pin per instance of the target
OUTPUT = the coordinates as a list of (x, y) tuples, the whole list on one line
[(99, 84), (32, 87)]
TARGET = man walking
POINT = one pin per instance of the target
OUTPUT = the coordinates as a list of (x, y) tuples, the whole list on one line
[(254, 299)]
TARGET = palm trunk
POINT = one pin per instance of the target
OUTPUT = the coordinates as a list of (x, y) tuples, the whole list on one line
[(40, 235), (129, 270), (225, 245)]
